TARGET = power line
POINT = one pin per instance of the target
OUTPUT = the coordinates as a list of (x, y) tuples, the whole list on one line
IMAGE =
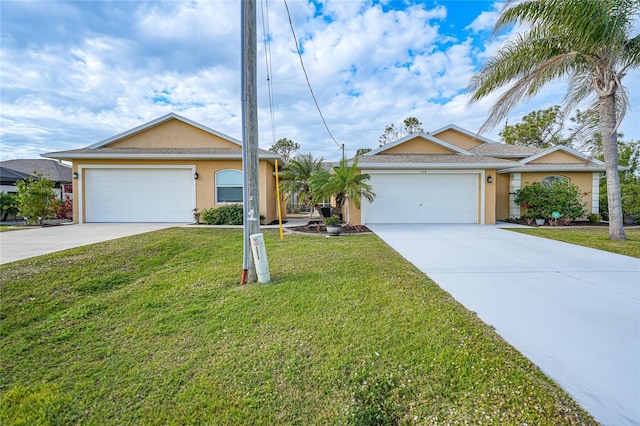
[(308, 83), (264, 8)]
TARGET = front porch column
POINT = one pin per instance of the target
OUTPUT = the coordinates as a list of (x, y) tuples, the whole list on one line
[(514, 185), (595, 193)]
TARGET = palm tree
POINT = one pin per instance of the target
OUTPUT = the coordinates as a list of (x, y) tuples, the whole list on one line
[(585, 41), (344, 183), (295, 176)]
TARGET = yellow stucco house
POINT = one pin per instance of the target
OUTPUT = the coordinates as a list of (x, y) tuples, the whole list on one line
[(452, 175), (161, 171)]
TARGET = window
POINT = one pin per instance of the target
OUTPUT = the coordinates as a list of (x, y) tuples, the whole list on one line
[(550, 180), (229, 186)]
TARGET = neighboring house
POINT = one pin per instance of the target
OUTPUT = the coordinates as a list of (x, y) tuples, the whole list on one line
[(455, 176), (21, 169), (161, 171)]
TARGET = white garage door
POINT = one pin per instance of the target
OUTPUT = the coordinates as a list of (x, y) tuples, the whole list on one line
[(423, 198), (139, 195)]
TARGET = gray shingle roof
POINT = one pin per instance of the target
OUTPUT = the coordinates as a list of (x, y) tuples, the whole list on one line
[(430, 158), (51, 169), (502, 149), (157, 153)]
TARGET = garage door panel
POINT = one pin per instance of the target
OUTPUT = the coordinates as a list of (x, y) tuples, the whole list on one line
[(139, 195), (424, 198)]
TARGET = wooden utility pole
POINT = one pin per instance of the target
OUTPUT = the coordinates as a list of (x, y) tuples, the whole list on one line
[(250, 134)]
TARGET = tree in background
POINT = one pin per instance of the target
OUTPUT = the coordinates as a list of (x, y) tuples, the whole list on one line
[(541, 129), (285, 147), (296, 174), (410, 125), (587, 42), (36, 199)]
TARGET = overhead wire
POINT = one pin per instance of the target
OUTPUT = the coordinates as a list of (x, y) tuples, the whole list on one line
[(264, 8), (306, 76)]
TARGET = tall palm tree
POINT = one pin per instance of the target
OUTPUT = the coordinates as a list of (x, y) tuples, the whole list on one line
[(296, 175), (344, 183), (586, 42)]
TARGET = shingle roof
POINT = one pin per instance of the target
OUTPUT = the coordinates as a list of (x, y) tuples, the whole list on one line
[(556, 167), (50, 169), (433, 160), (158, 153), (502, 149), (9, 176)]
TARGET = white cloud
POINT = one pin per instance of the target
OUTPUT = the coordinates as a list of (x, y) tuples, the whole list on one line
[(74, 78)]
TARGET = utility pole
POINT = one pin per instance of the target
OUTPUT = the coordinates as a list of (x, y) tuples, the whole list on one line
[(249, 135)]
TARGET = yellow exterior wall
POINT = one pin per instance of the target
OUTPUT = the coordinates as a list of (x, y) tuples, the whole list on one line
[(417, 146), (173, 134), (458, 139), (584, 180), (558, 157), (502, 197), (205, 185), (489, 197)]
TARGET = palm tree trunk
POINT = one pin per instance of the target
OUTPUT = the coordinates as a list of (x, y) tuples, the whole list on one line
[(610, 149)]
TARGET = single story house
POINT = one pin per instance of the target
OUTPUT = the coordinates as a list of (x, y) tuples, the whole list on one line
[(21, 169), (453, 175), (161, 171)]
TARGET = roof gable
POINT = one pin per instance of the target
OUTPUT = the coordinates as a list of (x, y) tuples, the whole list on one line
[(169, 131), (460, 137), (560, 154), (418, 143)]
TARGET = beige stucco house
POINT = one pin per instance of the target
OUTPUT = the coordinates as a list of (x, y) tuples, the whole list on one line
[(452, 175), (161, 171)]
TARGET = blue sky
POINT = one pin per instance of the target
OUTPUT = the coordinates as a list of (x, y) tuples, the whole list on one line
[(75, 73)]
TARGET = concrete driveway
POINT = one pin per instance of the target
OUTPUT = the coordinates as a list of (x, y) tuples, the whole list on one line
[(32, 242), (573, 311)]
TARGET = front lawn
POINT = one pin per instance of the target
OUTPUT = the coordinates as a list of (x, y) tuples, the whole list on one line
[(597, 238), (154, 329)]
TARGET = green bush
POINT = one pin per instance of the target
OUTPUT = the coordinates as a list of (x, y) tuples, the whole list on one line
[(541, 199), (225, 215), (630, 192), (36, 199), (8, 205), (594, 218)]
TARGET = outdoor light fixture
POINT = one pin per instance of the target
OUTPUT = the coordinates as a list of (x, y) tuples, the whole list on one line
[(75, 175), (195, 175), (489, 179)]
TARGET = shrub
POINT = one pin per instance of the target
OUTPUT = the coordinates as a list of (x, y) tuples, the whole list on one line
[(64, 208), (594, 218), (36, 199), (8, 205), (225, 215), (541, 199), (630, 192), (332, 220)]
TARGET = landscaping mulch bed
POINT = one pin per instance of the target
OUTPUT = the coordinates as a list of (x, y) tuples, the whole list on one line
[(318, 228)]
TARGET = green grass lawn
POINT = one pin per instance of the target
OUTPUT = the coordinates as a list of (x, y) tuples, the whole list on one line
[(597, 238), (7, 228), (155, 329)]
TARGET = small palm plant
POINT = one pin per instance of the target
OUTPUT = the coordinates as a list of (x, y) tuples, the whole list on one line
[(343, 184)]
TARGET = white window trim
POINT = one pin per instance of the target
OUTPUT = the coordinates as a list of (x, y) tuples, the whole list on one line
[(216, 187)]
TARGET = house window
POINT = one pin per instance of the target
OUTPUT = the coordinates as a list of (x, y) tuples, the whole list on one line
[(550, 180), (229, 186)]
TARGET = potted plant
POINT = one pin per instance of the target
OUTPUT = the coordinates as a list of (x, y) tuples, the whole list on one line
[(332, 223)]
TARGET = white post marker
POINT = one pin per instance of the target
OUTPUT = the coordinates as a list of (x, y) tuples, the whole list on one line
[(260, 258)]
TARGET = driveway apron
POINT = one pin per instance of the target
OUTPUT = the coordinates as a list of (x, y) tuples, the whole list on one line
[(573, 311), (23, 244)]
